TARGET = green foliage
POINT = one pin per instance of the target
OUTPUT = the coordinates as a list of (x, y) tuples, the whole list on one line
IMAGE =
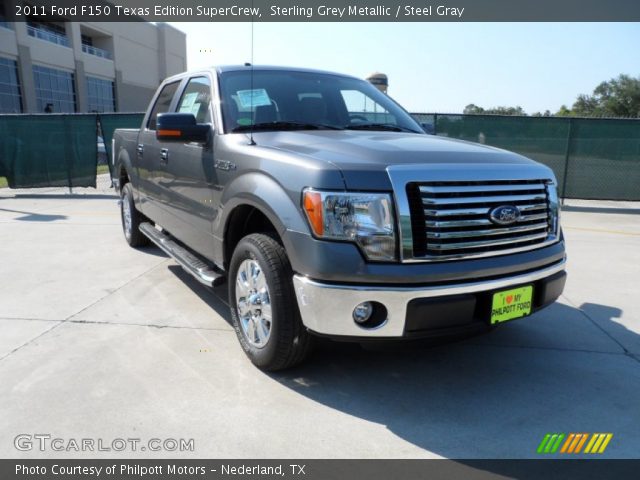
[(564, 112), (473, 109), (619, 97)]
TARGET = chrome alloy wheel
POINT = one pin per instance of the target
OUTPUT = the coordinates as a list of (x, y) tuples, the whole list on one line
[(126, 216), (253, 303)]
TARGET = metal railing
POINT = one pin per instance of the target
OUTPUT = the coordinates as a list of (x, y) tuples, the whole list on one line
[(98, 52), (48, 36)]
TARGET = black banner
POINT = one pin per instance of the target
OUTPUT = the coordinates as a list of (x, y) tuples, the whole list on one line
[(326, 11), (317, 469)]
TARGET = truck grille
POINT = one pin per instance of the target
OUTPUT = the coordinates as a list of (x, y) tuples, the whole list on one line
[(451, 219)]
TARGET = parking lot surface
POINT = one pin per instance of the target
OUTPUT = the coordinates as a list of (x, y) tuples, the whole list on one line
[(101, 341)]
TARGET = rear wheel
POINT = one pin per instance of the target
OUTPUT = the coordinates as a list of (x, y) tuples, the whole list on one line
[(131, 219), (263, 306)]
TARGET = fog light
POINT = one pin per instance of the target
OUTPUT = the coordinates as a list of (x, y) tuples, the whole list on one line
[(362, 312)]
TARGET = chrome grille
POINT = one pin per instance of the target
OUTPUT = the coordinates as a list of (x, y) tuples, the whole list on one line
[(451, 219)]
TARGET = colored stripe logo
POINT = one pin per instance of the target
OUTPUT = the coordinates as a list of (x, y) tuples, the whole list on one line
[(574, 443)]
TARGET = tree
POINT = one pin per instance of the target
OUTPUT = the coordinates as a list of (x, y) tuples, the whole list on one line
[(586, 106), (564, 111), (619, 97), (473, 109)]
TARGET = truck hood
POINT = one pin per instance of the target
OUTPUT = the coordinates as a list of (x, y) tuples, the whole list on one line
[(363, 157)]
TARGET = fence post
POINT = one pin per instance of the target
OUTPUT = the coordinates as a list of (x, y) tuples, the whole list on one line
[(435, 123), (566, 161), (67, 149)]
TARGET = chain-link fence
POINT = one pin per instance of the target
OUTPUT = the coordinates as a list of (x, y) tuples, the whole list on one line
[(592, 158)]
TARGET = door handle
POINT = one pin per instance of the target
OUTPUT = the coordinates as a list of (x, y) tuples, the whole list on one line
[(164, 155), (140, 149)]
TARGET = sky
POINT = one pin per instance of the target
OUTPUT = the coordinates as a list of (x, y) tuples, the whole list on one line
[(438, 67)]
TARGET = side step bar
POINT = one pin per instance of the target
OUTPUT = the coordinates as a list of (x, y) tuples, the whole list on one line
[(187, 260)]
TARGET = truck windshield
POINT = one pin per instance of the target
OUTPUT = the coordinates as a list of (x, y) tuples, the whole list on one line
[(293, 100)]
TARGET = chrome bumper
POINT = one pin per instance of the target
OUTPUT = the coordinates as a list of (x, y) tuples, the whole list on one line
[(327, 309)]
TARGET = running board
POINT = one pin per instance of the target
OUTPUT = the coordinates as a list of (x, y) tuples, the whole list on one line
[(187, 260)]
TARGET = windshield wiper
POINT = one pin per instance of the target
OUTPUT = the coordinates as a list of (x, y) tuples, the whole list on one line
[(284, 125), (379, 126)]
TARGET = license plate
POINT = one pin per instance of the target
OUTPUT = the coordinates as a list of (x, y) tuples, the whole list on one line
[(510, 304)]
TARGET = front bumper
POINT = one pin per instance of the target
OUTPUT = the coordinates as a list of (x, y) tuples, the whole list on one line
[(326, 309)]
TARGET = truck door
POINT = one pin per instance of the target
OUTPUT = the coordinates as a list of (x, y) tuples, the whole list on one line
[(188, 173), (148, 157)]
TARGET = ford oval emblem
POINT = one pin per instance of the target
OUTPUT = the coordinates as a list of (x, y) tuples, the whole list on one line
[(504, 214)]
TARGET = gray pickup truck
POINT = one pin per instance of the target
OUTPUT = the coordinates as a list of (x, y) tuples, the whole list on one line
[(331, 212)]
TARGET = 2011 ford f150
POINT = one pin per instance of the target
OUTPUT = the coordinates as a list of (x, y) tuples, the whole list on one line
[(332, 213)]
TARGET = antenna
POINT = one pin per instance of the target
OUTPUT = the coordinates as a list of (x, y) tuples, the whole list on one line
[(251, 142)]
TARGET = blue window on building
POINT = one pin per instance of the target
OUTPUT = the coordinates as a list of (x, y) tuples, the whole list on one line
[(55, 90), (100, 95), (10, 95)]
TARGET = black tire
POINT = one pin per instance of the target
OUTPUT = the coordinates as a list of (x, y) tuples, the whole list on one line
[(288, 342), (132, 234)]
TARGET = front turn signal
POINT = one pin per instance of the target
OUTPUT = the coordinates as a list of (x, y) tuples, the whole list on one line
[(312, 202)]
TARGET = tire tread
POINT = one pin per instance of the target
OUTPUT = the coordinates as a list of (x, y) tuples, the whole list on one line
[(294, 343), (138, 239)]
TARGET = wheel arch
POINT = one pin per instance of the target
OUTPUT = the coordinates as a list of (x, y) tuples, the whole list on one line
[(123, 169), (255, 200), (245, 219)]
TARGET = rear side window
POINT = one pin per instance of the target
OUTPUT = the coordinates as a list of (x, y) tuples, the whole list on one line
[(196, 99), (162, 103)]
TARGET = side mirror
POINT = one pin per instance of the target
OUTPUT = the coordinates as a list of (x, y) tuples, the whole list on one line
[(181, 127), (428, 128)]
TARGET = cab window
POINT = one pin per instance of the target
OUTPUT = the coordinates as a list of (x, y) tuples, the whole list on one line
[(196, 99), (362, 108), (162, 103)]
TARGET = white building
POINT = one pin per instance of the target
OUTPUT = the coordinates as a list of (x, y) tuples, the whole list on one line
[(85, 67)]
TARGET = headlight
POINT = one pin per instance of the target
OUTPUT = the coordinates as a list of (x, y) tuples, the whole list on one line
[(363, 218), (554, 207)]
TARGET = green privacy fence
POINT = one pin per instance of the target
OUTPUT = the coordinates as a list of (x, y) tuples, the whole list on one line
[(593, 158), (56, 150), (48, 150)]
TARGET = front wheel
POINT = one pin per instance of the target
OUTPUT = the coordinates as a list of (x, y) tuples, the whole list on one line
[(264, 311)]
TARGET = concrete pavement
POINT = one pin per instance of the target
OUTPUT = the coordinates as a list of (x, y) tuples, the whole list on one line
[(101, 341)]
